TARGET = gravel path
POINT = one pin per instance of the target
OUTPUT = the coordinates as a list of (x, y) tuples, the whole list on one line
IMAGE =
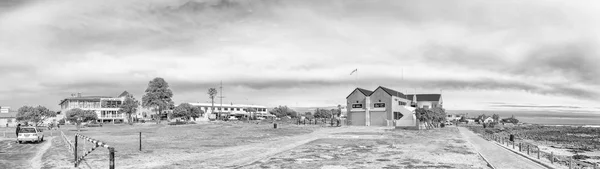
[(497, 156)]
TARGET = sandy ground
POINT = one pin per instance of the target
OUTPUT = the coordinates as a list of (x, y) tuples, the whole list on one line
[(228, 145), (164, 145), (440, 148)]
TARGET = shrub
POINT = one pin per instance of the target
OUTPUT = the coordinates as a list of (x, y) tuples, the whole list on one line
[(191, 122), (177, 123), (580, 157), (61, 121)]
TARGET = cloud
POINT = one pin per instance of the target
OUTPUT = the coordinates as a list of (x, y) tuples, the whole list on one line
[(539, 47)]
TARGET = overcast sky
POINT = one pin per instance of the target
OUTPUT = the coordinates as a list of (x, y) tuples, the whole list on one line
[(509, 54)]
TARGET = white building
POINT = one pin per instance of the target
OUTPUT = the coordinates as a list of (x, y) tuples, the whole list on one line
[(230, 109), (426, 100), (4, 109), (107, 107)]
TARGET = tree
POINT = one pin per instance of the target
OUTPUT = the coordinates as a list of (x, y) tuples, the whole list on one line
[(77, 115), (196, 112), (212, 92), (186, 111), (158, 96), (339, 112), (283, 111), (251, 111), (37, 115), (129, 106), (496, 117), (510, 120)]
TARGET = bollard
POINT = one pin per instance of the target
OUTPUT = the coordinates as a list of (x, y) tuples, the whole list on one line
[(274, 125), (111, 164), (519, 147), (140, 141), (513, 143), (75, 151), (551, 157), (527, 149)]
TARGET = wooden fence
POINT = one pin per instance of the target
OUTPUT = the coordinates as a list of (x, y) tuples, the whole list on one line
[(95, 144)]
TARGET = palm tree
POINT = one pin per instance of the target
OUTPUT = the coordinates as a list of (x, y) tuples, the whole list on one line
[(212, 92)]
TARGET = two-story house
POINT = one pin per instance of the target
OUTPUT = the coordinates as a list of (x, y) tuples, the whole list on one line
[(381, 107), (106, 107)]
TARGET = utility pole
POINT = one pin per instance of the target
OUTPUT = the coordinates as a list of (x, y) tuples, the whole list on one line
[(221, 98)]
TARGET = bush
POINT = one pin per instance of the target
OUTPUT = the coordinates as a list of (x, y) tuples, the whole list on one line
[(580, 157), (191, 122), (61, 121), (177, 123)]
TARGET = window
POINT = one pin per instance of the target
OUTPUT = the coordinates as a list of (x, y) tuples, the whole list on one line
[(379, 105), (238, 109), (358, 105), (401, 103), (425, 107), (398, 115)]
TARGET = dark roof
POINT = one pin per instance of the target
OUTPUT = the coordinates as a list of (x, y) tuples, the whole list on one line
[(426, 97), (392, 92), (363, 91), (8, 115)]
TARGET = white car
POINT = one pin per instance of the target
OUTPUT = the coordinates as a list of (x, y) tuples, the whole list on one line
[(30, 134), (232, 118)]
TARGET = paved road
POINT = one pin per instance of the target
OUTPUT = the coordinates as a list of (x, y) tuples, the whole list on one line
[(496, 155)]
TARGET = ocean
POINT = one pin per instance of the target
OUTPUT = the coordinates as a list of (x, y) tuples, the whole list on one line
[(540, 117)]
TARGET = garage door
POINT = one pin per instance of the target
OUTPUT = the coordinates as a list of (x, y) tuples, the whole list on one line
[(378, 119), (358, 118)]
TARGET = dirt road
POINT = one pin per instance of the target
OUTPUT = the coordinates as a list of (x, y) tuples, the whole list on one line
[(497, 156), (26, 155)]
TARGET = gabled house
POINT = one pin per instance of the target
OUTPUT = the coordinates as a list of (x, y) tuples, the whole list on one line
[(426, 100), (381, 107)]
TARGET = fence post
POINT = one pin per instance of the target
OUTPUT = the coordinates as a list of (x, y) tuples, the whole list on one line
[(538, 152), (513, 143), (75, 150), (140, 141), (527, 149), (111, 157), (519, 147), (570, 163), (551, 157)]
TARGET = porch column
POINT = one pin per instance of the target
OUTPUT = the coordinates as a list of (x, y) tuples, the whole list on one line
[(368, 111)]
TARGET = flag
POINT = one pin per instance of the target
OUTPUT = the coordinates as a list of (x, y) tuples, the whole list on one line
[(355, 70)]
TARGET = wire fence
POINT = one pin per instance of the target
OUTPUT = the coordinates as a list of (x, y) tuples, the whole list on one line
[(534, 151)]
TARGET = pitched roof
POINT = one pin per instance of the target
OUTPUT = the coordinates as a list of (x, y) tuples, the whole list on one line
[(361, 90), (392, 92), (426, 97), (125, 93)]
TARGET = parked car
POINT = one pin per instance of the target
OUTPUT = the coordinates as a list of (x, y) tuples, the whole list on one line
[(32, 134)]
